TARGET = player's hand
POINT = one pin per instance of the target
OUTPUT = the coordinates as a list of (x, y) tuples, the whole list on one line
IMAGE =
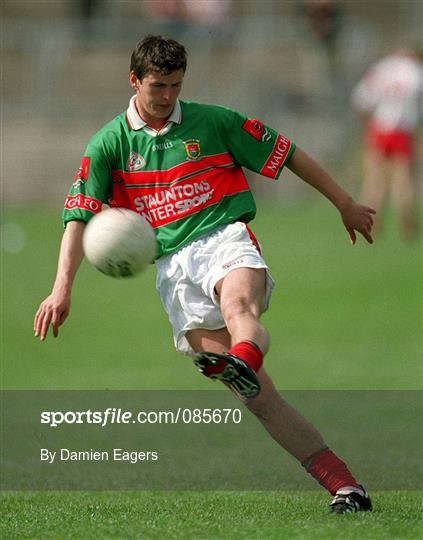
[(357, 217), (53, 310)]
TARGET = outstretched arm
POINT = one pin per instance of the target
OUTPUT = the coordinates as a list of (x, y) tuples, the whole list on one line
[(55, 308), (355, 216)]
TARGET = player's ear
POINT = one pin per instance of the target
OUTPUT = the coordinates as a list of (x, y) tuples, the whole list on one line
[(134, 81)]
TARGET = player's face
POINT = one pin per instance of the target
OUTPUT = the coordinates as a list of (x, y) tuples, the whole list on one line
[(157, 93)]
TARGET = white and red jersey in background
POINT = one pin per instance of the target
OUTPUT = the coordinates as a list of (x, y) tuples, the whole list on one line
[(391, 93)]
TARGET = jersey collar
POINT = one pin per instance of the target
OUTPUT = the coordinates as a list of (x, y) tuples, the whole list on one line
[(136, 123)]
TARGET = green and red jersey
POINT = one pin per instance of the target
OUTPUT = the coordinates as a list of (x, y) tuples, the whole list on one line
[(186, 179)]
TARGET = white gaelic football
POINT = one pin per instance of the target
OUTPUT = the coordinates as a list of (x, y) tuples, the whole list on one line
[(119, 242)]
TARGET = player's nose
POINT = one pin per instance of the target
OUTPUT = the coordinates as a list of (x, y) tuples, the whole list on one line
[(168, 96)]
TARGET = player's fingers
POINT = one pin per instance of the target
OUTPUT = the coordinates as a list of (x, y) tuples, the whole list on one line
[(37, 322), (367, 225), (37, 316), (367, 236), (58, 321), (352, 235), (55, 322), (63, 317), (44, 324)]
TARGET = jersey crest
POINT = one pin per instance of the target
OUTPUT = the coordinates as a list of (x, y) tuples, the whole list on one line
[(135, 162), (192, 149)]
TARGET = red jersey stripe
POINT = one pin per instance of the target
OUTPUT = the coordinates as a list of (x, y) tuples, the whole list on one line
[(169, 205), (174, 173)]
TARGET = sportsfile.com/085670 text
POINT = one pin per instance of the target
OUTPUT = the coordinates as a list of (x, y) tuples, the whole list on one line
[(113, 415)]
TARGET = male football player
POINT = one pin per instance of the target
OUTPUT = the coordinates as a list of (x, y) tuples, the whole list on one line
[(389, 98), (179, 164)]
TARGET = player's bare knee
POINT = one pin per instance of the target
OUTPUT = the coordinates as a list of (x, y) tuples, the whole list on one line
[(239, 306)]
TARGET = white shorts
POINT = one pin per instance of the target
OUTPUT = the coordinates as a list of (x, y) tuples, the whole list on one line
[(186, 279)]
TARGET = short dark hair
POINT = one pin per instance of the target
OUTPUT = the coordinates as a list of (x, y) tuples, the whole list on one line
[(158, 53)]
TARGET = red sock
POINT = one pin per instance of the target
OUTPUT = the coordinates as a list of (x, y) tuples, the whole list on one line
[(329, 471), (249, 352)]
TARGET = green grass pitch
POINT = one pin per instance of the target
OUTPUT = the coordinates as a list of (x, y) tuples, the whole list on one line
[(341, 317), (252, 515)]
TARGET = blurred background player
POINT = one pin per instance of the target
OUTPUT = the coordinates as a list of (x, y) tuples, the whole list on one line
[(389, 98), (211, 277)]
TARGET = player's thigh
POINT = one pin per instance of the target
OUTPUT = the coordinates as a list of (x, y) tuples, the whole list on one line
[(201, 339), (243, 288)]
